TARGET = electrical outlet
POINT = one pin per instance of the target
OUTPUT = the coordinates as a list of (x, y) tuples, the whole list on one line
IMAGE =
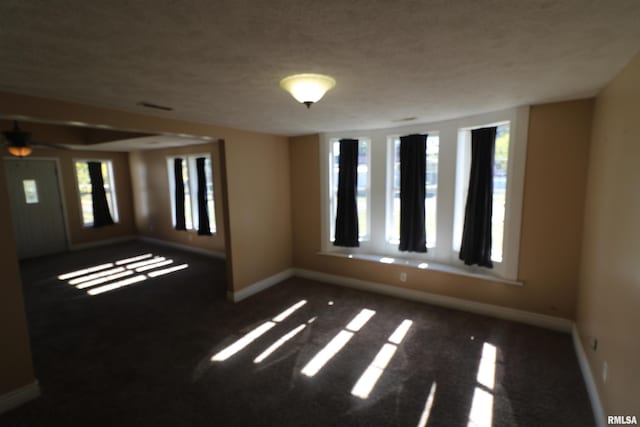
[(403, 277), (605, 367)]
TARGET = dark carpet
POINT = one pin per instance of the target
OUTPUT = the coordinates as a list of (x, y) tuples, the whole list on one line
[(141, 356)]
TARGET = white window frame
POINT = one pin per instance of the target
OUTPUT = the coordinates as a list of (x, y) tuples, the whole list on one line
[(189, 162), (392, 245), (450, 198), (110, 181)]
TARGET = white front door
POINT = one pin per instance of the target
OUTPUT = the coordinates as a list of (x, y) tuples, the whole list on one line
[(36, 207)]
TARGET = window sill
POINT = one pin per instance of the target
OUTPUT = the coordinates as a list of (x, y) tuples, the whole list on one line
[(88, 226), (474, 272)]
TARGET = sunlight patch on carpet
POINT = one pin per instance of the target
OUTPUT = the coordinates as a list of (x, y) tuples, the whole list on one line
[(133, 259), (116, 285), (253, 335), (426, 412), (327, 353), (242, 342), (276, 345), (372, 374), (152, 266), (105, 274), (102, 280), (95, 275), (84, 271), (143, 263), (165, 271), (337, 343), (481, 414)]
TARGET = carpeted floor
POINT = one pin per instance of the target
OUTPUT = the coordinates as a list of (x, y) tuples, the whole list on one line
[(141, 355)]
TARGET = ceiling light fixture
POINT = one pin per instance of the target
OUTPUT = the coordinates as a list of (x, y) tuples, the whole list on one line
[(19, 151), (18, 141), (307, 88)]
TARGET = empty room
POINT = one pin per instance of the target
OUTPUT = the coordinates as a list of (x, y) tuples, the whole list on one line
[(300, 213)]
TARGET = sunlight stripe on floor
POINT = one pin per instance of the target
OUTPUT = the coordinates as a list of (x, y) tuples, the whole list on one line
[(481, 414), (337, 343), (374, 371), (95, 275), (370, 377), (152, 266), (242, 342), (84, 271), (426, 412), (133, 259), (289, 311), (143, 263), (360, 320), (157, 273), (327, 353), (255, 334), (116, 285), (276, 345), (102, 280)]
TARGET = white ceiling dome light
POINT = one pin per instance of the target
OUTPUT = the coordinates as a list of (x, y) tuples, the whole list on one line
[(307, 88)]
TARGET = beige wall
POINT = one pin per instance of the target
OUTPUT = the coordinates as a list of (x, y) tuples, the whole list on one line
[(15, 356), (551, 234), (150, 184), (609, 294), (258, 184), (550, 240)]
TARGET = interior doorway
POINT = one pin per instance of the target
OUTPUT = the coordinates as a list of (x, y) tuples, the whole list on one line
[(36, 206)]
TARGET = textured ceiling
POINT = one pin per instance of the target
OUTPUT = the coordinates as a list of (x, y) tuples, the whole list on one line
[(220, 62)]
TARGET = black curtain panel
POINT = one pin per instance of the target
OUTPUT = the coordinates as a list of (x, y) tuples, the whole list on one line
[(179, 194), (347, 209), (413, 175), (203, 213), (101, 214), (476, 236)]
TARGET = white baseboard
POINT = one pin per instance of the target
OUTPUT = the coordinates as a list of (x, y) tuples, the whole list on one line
[(99, 243), (530, 318), (589, 381), (259, 286), (17, 397), (220, 255)]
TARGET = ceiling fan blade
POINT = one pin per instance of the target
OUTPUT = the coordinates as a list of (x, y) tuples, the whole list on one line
[(20, 138), (36, 144)]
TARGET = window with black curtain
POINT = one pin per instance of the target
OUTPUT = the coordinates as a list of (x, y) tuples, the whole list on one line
[(347, 209), (476, 235), (203, 212), (101, 214), (413, 173), (179, 194)]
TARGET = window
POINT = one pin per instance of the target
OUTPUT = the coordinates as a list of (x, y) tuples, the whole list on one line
[(30, 191), (190, 179), (431, 191), (84, 189), (448, 156), (501, 160), (362, 196)]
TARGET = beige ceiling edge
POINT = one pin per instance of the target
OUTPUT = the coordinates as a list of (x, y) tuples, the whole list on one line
[(24, 107)]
